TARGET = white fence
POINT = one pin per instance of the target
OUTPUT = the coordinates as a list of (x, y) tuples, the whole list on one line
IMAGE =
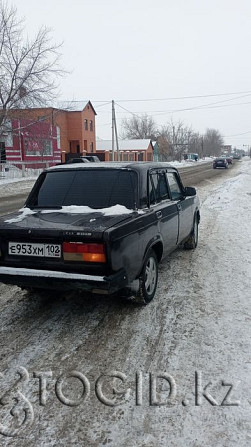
[(20, 169)]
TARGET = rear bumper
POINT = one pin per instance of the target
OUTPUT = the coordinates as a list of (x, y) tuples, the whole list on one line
[(50, 279)]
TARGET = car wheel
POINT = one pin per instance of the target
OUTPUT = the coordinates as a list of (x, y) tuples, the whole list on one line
[(192, 242), (144, 291), (148, 279)]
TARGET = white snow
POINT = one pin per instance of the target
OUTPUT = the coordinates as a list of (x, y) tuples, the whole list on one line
[(24, 212), (115, 210), (75, 209), (189, 163)]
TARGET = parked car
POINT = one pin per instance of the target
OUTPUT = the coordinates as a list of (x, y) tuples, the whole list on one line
[(236, 156), (84, 159), (220, 162), (77, 160), (102, 228), (92, 158)]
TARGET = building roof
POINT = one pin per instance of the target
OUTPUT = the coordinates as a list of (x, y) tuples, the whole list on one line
[(75, 106), (124, 145), (66, 106)]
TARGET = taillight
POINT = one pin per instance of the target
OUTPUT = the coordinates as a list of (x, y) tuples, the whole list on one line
[(77, 251)]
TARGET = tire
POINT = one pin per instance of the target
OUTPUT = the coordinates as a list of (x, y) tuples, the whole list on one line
[(192, 242), (147, 281)]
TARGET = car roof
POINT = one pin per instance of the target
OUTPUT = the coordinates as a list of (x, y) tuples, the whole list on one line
[(136, 166)]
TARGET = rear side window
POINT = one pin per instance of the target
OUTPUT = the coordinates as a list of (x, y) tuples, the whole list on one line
[(93, 188), (158, 190), (174, 186)]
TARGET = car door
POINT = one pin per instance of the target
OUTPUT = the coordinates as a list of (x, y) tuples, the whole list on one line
[(165, 209), (184, 205)]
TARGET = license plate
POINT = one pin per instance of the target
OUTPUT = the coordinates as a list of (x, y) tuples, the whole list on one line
[(39, 250)]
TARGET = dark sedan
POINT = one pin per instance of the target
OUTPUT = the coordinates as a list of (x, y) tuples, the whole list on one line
[(102, 227), (220, 163)]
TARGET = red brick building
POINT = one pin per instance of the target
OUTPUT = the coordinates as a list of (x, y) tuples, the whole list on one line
[(48, 134)]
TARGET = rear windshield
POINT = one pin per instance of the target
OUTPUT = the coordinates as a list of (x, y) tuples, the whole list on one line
[(85, 187)]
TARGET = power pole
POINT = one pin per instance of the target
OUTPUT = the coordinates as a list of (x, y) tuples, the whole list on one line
[(116, 135), (114, 132), (113, 125), (173, 139)]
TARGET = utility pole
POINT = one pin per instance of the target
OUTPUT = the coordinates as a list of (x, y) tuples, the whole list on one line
[(202, 146), (114, 132), (173, 139), (113, 116)]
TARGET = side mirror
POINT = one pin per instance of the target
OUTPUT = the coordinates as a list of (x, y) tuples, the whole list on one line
[(189, 191)]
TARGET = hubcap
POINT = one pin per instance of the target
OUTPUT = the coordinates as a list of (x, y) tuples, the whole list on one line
[(150, 275)]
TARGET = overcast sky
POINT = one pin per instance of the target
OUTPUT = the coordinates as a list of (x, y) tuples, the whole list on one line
[(157, 50)]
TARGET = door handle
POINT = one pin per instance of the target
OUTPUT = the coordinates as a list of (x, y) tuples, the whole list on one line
[(159, 214)]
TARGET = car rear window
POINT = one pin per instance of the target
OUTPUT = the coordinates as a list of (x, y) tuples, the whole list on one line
[(85, 187)]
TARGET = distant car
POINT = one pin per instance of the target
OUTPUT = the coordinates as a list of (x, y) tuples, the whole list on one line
[(84, 159), (220, 163), (237, 156), (77, 160), (92, 158)]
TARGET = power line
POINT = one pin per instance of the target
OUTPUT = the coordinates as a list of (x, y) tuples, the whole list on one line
[(237, 134), (166, 99), (183, 97)]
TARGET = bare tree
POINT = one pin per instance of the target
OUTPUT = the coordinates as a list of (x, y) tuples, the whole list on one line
[(213, 141), (28, 68), (139, 127), (175, 139)]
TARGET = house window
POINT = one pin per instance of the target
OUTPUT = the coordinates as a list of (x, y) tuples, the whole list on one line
[(125, 157), (86, 124), (91, 147), (58, 137), (91, 125), (31, 147), (131, 157), (47, 147)]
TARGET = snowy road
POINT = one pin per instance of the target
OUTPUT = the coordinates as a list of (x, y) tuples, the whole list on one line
[(197, 330)]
